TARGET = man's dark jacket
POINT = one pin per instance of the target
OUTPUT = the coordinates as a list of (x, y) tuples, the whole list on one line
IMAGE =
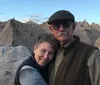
[(73, 69)]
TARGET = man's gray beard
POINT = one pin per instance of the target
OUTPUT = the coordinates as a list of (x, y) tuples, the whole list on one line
[(62, 33)]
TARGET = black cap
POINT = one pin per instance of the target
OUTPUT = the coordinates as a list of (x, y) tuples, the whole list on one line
[(61, 15)]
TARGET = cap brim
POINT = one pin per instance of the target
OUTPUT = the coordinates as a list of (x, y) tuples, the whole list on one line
[(51, 22)]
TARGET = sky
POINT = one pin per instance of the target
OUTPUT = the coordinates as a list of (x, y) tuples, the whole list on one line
[(40, 10)]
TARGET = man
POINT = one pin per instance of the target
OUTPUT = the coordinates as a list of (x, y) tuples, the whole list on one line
[(76, 63)]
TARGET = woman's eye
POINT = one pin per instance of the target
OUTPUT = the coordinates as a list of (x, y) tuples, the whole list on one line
[(51, 54), (43, 51)]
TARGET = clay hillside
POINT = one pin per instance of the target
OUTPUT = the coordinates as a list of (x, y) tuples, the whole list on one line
[(16, 33)]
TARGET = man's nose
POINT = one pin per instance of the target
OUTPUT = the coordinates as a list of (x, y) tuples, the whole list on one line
[(61, 27)]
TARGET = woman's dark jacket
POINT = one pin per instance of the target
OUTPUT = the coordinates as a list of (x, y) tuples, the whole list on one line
[(31, 62)]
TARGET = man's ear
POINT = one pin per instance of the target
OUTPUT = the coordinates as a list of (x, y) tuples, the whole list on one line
[(74, 25), (50, 28), (73, 28)]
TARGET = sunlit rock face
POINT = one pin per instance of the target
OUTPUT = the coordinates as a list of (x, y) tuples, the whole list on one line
[(10, 59), (16, 33)]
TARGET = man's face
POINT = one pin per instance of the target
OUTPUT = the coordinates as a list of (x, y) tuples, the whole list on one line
[(62, 30)]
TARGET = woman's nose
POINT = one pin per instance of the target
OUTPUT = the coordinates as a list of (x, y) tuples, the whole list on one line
[(46, 55)]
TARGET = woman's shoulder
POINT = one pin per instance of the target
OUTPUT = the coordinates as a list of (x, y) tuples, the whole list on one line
[(28, 69), (30, 76)]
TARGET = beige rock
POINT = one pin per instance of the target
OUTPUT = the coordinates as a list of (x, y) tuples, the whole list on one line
[(10, 58)]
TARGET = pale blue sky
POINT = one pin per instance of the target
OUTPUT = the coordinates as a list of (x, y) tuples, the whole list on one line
[(23, 10)]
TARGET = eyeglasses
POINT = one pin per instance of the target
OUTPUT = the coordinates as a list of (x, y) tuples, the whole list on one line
[(64, 23)]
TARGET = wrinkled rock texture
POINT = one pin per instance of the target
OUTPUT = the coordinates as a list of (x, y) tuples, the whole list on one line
[(10, 59)]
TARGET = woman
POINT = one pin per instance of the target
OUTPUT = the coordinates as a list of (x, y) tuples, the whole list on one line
[(33, 70)]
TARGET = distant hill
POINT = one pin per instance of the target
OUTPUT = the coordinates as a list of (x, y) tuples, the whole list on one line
[(2, 25), (17, 33)]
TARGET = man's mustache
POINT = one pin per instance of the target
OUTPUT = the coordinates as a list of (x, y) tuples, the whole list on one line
[(62, 33)]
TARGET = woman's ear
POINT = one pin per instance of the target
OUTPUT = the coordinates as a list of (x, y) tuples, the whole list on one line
[(34, 48)]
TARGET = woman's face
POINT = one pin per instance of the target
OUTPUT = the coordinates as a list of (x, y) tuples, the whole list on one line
[(43, 53)]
